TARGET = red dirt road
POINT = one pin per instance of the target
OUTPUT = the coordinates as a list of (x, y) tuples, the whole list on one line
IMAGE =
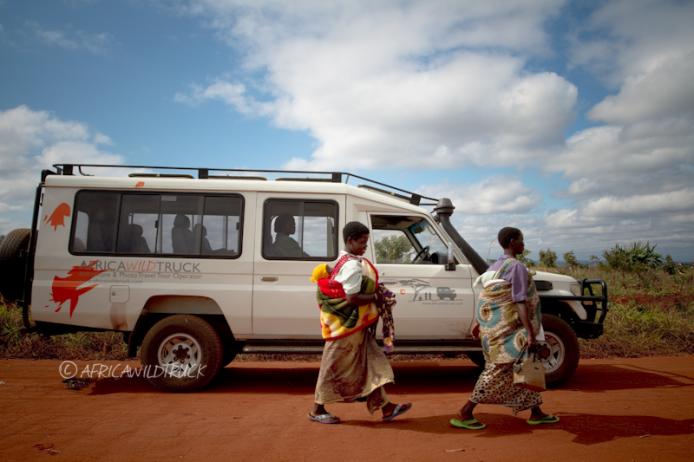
[(618, 410)]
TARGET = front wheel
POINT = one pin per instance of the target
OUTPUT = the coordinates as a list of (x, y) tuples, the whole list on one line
[(564, 350), (181, 353)]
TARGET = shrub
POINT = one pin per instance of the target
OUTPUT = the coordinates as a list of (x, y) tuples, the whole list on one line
[(548, 258)]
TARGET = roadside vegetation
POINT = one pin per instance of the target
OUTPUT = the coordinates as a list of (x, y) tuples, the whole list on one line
[(651, 310)]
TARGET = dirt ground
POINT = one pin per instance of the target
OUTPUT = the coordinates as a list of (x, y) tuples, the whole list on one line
[(618, 410)]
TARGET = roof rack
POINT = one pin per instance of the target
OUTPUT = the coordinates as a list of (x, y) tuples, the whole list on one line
[(204, 173)]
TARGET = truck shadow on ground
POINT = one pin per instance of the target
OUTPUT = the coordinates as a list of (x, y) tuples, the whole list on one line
[(416, 377), (587, 429)]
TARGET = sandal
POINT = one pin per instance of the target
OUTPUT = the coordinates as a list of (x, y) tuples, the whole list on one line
[(326, 418), (399, 410), (548, 419), (468, 424)]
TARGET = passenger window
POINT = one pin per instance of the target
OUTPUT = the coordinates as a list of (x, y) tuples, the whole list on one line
[(300, 230), (179, 215), (96, 221), (406, 240), (137, 232), (220, 231), (157, 224)]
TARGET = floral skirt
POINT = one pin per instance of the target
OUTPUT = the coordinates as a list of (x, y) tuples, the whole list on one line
[(495, 386), (354, 368)]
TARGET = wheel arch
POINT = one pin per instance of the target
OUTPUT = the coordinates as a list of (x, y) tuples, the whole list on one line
[(161, 306)]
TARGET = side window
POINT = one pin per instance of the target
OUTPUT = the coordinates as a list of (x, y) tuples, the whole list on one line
[(300, 229), (220, 230), (96, 222), (137, 232), (392, 246), (180, 214), (157, 224), (406, 239)]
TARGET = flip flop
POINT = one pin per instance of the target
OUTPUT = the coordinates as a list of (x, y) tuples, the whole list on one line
[(548, 419), (468, 424), (399, 410), (324, 418)]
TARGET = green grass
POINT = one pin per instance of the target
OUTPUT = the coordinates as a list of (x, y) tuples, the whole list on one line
[(655, 317), (82, 345)]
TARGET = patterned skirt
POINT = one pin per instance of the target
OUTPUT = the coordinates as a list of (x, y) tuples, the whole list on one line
[(495, 386), (354, 367)]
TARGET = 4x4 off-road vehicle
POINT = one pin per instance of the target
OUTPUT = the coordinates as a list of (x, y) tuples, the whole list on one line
[(197, 265)]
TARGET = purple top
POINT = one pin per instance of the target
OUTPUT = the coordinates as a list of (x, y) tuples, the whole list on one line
[(517, 275)]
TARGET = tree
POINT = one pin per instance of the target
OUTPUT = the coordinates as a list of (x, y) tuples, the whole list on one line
[(639, 258), (634, 259), (548, 258), (671, 267), (392, 249), (570, 259), (523, 258)]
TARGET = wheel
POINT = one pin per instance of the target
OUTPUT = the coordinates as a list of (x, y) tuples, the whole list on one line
[(476, 357), (564, 351), (183, 352), (13, 257)]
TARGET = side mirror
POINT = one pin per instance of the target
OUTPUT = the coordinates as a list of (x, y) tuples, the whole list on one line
[(450, 261)]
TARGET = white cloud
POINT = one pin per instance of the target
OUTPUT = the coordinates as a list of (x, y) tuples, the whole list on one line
[(34, 140), (631, 176), (642, 204), (497, 195), (233, 94), (447, 84), (72, 39), (423, 84)]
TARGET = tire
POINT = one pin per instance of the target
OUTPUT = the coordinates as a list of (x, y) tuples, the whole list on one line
[(231, 349), (564, 350), (476, 357), (183, 352), (13, 258)]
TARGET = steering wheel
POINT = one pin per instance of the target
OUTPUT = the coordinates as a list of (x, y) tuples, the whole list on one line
[(421, 254)]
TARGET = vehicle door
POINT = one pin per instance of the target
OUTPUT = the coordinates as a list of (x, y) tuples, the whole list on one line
[(411, 257), (296, 233)]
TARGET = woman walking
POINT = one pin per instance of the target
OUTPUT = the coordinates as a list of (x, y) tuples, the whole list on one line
[(508, 320), (353, 367)]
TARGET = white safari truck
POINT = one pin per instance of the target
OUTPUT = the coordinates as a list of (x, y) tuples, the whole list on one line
[(200, 264)]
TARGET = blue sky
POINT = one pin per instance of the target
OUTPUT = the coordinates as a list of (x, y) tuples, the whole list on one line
[(570, 120)]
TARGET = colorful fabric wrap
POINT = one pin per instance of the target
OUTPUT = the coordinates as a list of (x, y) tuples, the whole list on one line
[(338, 317), (501, 330)]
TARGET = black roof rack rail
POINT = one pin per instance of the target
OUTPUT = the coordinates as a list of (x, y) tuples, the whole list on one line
[(214, 173), (160, 175)]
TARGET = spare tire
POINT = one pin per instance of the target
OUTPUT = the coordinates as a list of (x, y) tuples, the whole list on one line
[(14, 249)]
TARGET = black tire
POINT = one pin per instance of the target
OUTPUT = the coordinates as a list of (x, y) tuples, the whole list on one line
[(195, 343), (13, 258), (231, 349), (476, 357), (563, 360)]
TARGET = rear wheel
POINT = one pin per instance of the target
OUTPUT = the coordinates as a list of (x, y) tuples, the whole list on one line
[(183, 352), (13, 258), (564, 350)]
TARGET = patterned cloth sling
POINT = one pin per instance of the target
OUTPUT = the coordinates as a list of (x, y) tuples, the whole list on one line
[(501, 330), (338, 317)]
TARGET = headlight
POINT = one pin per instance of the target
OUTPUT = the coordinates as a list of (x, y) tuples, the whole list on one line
[(575, 288)]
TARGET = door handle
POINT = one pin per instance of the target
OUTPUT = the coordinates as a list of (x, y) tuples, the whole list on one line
[(269, 279)]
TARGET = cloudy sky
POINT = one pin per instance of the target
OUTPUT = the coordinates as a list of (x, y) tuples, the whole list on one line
[(571, 120)]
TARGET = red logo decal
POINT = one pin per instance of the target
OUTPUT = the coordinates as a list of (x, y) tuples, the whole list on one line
[(140, 184), (68, 288), (57, 218)]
